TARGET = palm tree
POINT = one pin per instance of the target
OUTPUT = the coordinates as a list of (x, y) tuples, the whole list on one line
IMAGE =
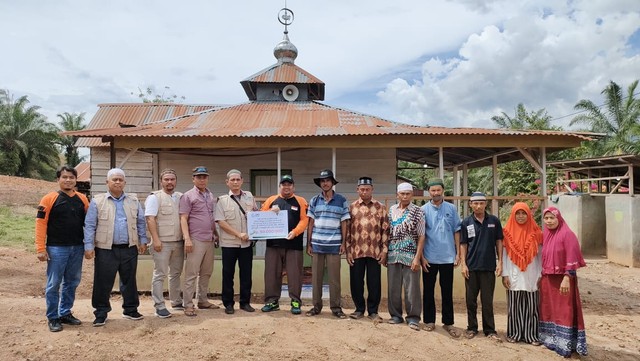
[(538, 120), (71, 122), (618, 119), (27, 140)]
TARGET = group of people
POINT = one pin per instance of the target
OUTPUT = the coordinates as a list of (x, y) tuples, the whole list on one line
[(538, 268)]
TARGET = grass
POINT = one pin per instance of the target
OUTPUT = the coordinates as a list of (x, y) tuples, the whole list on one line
[(17, 227)]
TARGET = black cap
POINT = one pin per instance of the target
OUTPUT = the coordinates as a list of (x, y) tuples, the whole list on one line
[(286, 179)]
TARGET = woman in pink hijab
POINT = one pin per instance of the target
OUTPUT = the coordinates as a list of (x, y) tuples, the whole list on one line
[(561, 322)]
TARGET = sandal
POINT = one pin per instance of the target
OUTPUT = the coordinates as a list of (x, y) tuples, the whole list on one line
[(339, 314), (510, 340), (469, 334), (453, 332), (430, 327), (536, 343), (414, 326), (189, 311), (494, 336)]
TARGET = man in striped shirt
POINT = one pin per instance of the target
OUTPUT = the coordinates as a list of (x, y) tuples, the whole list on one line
[(326, 234)]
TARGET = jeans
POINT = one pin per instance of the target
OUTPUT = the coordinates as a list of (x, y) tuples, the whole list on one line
[(64, 271)]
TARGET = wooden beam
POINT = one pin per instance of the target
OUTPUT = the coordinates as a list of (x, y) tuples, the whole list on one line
[(528, 156)]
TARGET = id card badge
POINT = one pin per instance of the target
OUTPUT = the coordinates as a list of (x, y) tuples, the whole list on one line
[(471, 231)]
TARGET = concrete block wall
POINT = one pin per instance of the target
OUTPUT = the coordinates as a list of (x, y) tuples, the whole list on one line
[(623, 229), (585, 215)]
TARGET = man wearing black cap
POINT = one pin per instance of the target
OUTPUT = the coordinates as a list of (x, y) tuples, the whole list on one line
[(480, 242), (326, 234), (287, 251), (366, 248)]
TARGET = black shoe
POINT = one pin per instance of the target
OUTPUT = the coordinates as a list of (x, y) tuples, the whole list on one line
[(134, 315), (229, 310), (70, 320), (247, 308), (99, 321), (55, 325)]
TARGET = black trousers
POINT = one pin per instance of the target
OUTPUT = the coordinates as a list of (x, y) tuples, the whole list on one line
[(371, 267), (122, 260), (446, 293), (483, 282), (244, 258)]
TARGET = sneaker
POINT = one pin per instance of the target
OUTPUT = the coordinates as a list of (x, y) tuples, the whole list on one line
[(295, 308), (55, 325), (162, 313), (134, 315), (272, 306), (99, 321), (178, 307), (229, 310), (70, 320)]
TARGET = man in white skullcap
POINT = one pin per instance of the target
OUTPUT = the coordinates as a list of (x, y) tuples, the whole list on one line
[(115, 244), (404, 260)]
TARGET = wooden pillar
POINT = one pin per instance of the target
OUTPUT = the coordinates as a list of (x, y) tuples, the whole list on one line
[(465, 189), (112, 153), (456, 187), (440, 163), (543, 174), (494, 202), (631, 187)]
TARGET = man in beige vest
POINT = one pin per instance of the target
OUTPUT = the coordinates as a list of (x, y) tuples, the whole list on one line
[(115, 232), (231, 216), (167, 247)]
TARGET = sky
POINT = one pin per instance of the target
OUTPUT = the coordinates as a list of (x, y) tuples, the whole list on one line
[(453, 63)]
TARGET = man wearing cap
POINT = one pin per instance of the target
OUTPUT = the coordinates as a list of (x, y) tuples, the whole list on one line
[(326, 237), (161, 209), (480, 242), (366, 248), (197, 207), (115, 233), (285, 252), (406, 241), (440, 255), (231, 216)]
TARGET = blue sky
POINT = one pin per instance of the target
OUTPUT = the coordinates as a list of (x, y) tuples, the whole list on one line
[(437, 62)]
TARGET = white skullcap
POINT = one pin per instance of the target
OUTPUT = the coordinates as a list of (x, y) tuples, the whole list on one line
[(115, 171), (404, 187)]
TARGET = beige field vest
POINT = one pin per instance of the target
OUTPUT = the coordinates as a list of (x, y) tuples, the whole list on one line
[(168, 217), (106, 219)]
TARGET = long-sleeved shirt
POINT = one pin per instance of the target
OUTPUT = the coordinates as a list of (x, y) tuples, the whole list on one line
[(120, 233), (368, 234)]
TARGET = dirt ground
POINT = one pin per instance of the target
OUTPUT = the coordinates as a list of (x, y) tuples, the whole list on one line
[(610, 296)]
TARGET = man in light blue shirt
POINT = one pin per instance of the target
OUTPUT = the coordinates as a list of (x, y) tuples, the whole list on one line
[(440, 255), (115, 245)]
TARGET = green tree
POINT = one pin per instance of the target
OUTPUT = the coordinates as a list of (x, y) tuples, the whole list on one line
[(523, 120), (618, 118), (150, 95), (71, 122), (27, 140), (519, 177)]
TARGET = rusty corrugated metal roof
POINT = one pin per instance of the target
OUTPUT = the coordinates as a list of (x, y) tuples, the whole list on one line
[(283, 73), (84, 171), (113, 115), (286, 119)]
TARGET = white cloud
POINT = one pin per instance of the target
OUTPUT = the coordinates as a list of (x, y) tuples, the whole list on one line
[(70, 55), (545, 58)]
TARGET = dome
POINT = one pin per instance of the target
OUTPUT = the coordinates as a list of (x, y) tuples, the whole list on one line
[(285, 51)]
